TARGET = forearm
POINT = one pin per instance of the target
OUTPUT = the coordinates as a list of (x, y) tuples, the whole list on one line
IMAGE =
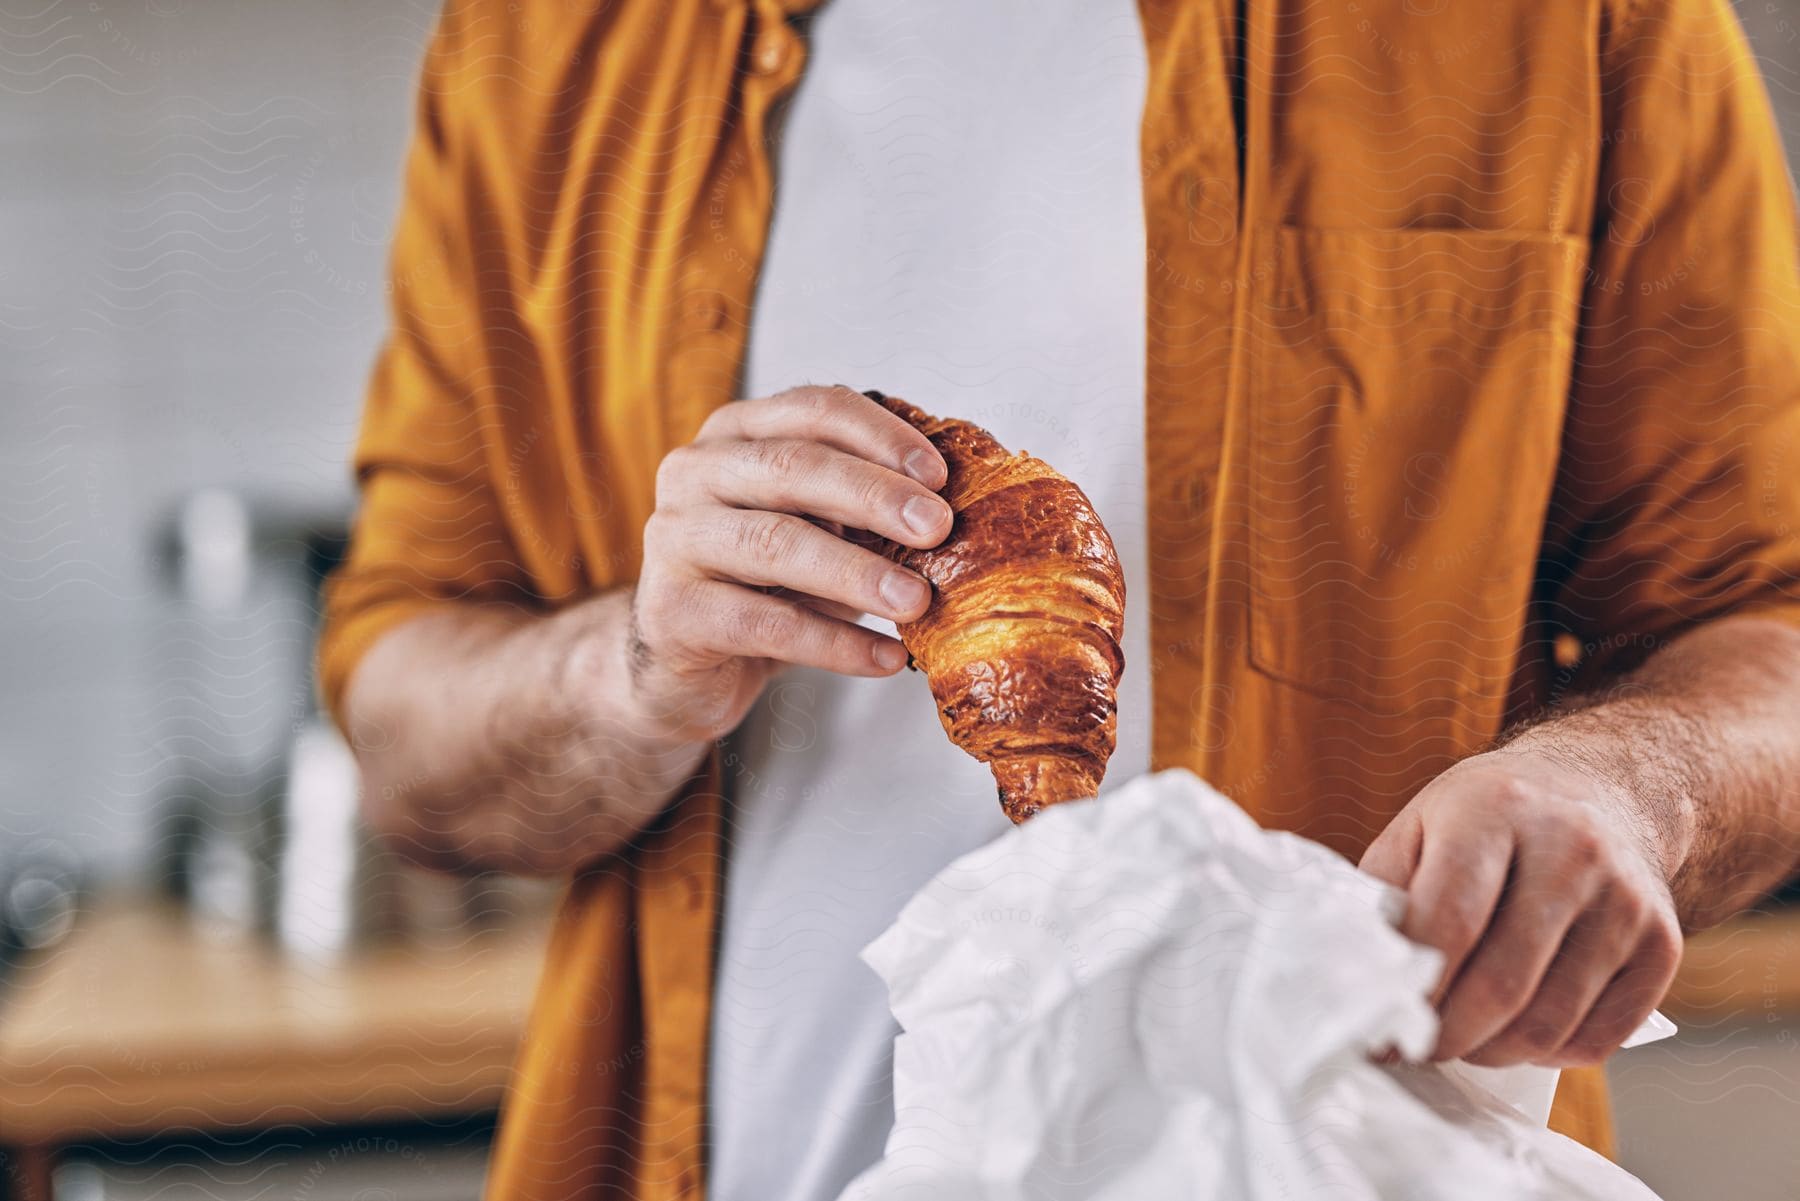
[(493, 737), (1704, 739)]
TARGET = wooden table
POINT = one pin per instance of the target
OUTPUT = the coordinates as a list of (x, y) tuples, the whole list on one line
[(1745, 970), (144, 1022)]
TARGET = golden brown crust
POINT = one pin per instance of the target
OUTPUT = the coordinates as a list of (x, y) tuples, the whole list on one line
[(1021, 642)]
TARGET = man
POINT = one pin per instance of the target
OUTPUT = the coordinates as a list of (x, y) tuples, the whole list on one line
[(1458, 397)]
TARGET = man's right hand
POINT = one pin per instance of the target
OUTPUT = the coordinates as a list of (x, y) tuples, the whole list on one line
[(496, 736), (745, 564)]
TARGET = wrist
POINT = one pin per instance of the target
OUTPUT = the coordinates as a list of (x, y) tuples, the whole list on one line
[(619, 732), (1619, 756), (609, 691)]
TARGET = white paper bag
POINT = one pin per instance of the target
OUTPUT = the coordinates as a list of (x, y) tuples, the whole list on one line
[(1148, 996), (1532, 1090)]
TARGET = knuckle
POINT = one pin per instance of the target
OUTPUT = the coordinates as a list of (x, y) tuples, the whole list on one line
[(715, 421), (671, 538), (1663, 943), (1457, 1035), (655, 534), (1589, 941), (735, 622), (767, 538), (844, 645), (1512, 791), (669, 472), (722, 417), (1597, 1044), (782, 458), (1501, 1053), (1454, 928), (659, 533), (674, 604), (1567, 841), (1516, 1043), (657, 605), (1617, 1013), (1537, 1037), (1498, 991), (1631, 909), (1453, 938), (1582, 844), (1547, 1020), (809, 402), (770, 625)]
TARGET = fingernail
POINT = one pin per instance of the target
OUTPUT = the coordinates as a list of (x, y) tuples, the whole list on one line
[(903, 592), (924, 466), (890, 655), (924, 515)]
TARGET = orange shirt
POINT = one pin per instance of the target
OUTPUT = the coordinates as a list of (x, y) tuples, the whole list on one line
[(1472, 379)]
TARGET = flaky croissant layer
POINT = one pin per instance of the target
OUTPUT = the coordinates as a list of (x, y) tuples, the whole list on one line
[(1021, 643)]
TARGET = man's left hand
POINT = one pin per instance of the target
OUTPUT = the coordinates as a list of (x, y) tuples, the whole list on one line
[(1544, 887)]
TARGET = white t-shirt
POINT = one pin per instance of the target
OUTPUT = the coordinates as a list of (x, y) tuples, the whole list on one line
[(959, 221)]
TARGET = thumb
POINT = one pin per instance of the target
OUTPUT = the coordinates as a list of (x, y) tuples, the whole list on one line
[(1394, 854)]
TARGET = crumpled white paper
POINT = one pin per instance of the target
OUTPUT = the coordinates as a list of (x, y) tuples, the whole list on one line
[(1149, 996)]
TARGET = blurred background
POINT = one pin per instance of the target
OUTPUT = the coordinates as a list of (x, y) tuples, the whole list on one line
[(211, 985)]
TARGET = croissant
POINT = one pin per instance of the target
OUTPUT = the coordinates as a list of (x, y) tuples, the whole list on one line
[(1021, 642)]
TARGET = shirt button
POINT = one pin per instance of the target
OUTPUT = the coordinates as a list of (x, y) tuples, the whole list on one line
[(771, 52), (706, 311), (1568, 651)]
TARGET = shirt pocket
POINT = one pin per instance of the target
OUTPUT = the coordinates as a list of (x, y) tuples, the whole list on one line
[(1406, 392)]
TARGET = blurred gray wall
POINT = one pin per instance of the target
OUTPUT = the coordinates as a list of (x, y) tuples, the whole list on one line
[(194, 201), (195, 197), (1774, 30)]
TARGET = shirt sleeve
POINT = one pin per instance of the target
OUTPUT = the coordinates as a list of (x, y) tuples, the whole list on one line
[(430, 531), (1678, 499)]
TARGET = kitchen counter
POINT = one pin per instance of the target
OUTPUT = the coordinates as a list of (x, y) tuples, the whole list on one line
[(1745, 970), (143, 1021)]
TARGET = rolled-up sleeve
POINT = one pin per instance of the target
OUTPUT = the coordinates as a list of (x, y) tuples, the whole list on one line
[(1678, 499), (430, 530)]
